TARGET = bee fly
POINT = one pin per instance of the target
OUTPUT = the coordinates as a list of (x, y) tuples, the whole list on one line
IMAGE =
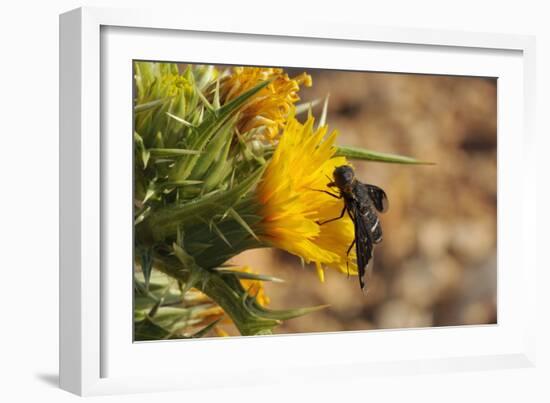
[(361, 201)]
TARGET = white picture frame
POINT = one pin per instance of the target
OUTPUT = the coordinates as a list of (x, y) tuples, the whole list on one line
[(96, 355)]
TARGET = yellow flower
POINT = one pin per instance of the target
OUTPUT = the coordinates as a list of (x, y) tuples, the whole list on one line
[(175, 84), (291, 207), (270, 108)]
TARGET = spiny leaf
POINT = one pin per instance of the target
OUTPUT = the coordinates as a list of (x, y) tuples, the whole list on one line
[(188, 262), (153, 311), (146, 266), (171, 152), (175, 184), (204, 100), (166, 219), (218, 172), (369, 155), (143, 215), (150, 192), (248, 276), (216, 101), (220, 234), (151, 105), (185, 259), (198, 247), (323, 118), (221, 139), (142, 150), (180, 120), (304, 107), (209, 127), (282, 314), (242, 222)]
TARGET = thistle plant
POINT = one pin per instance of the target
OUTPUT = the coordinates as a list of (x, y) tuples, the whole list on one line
[(226, 160)]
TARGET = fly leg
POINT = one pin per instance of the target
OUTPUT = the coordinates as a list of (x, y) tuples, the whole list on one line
[(329, 193), (333, 219), (347, 255)]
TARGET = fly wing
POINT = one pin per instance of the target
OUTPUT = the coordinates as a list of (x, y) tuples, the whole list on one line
[(363, 246), (378, 197)]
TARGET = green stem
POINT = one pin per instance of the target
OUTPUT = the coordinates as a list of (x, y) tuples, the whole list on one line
[(234, 305)]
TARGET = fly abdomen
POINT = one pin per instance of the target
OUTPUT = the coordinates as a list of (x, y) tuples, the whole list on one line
[(376, 231), (373, 225)]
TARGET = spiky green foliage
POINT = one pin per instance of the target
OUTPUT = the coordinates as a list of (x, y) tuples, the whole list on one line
[(193, 172)]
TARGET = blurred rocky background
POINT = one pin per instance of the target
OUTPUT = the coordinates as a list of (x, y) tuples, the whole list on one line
[(437, 263)]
